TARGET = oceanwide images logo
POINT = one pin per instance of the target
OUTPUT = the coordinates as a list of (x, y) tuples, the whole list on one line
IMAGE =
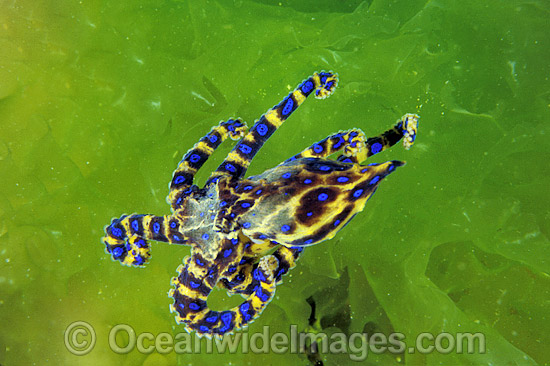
[(80, 339)]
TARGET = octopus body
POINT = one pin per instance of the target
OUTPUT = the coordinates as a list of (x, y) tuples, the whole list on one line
[(245, 234)]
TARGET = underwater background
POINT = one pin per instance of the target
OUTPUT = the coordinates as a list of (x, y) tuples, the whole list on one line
[(99, 100)]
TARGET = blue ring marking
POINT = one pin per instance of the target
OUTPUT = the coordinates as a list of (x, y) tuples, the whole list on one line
[(376, 148), (194, 306), (317, 148), (199, 263), (342, 179), (337, 222), (235, 241), (285, 228), (324, 168), (117, 252), (201, 214), (128, 246), (286, 175), (262, 237), (223, 204), (245, 205), (138, 260), (242, 261), (156, 227), (194, 284), (265, 298), (288, 106), (244, 307), (245, 149), (178, 201), (357, 193), (244, 311), (340, 142), (307, 87), (212, 217), (374, 180), (347, 160), (260, 295), (176, 238), (247, 225), (391, 168), (248, 188), (194, 158), (259, 191), (322, 197), (309, 214), (307, 181), (204, 328), (281, 272), (135, 225), (173, 224), (226, 318), (223, 329), (230, 168), (258, 275), (205, 236), (213, 138), (212, 319), (232, 269), (309, 241), (261, 129), (115, 231), (141, 243), (227, 252), (180, 179)]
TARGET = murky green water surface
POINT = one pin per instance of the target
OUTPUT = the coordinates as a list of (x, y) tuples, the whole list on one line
[(99, 101)]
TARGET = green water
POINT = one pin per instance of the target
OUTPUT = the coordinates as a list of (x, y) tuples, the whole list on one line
[(99, 101)]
